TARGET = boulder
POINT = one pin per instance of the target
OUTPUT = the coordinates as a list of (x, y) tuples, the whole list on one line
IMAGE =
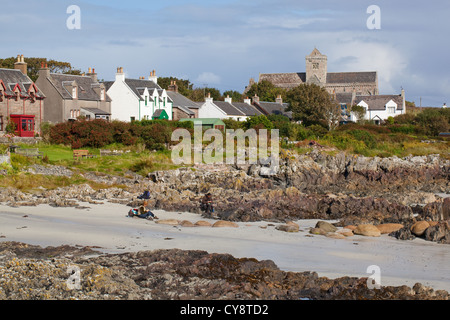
[(288, 227), (368, 230), (317, 231), (389, 227), (202, 223), (345, 232), (335, 235), (172, 222), (419, 228), (326, 226), (225, 224), (186, 223)]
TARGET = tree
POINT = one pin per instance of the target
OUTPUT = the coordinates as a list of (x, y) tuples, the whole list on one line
[(359, 112), (311, 104), (34, 64), (234, 95), (199, 94), (185, 87), (266, 91)]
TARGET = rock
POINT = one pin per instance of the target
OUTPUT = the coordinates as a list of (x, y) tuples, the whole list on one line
[(368, 230), (345, 232), (202, 223), (389, 227), (326, 226), (438, 233), (225, 224), (335, 235), (403, 234), (350, 227), (186, 223), (419, 228), (172, 222), (317, 231), (288, 227)]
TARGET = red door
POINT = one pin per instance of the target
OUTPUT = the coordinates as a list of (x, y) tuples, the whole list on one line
[(24, 124)]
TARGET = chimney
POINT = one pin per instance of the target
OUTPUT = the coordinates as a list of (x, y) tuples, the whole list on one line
[(248, 101), (92, 74), (353, 96), (208, 98), (153, 77), (44, 71), (228, 99), (403, 101), (173, 86), (279, 99), (255, 99), (21, 64), (120, 76)]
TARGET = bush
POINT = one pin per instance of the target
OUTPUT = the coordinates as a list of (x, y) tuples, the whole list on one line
[(318, 130)]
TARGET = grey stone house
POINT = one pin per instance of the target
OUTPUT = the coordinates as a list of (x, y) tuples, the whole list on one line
[(70, 96)]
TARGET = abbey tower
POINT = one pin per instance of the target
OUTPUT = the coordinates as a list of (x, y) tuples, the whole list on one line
[(316, 68)]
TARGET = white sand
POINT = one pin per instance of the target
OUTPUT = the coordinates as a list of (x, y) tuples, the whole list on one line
[(106, 226)]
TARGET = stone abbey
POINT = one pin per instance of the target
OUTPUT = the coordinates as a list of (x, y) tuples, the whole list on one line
[(359, 83)]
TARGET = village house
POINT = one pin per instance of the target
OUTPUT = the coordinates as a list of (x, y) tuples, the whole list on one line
[(268, 108), (227, 109), (71, 96), (182, 106), (21, 100), (138, 99)]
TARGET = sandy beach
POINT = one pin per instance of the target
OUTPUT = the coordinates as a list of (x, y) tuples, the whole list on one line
[(107, 228)]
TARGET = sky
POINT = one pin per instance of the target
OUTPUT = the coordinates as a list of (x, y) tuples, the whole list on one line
[(224, 43)]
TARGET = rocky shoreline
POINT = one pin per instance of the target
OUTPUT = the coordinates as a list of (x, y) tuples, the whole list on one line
[(65, 272), (354, 190), (395, 196)]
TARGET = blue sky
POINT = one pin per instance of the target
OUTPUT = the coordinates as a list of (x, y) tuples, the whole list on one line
[(224, 43)]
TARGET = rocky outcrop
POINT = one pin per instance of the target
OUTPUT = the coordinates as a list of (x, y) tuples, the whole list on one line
[(31, 272)]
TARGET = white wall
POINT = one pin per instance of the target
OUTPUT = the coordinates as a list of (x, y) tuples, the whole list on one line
[(375, 114), (209, 110), (124, 104)]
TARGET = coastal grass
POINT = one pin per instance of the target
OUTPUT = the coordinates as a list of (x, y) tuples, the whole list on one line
[(28, 182)]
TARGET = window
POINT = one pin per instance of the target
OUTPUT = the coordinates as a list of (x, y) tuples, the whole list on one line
[(74, 92), (315, 66), (391, 109), (132, 118), (1, 123), (71, 114)]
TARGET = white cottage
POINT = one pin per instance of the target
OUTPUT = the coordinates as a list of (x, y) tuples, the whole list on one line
[(138, 99), (380, 107), (227, 109)]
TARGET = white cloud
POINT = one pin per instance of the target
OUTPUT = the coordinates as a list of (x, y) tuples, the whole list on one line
[(207, 78), (389, 62)]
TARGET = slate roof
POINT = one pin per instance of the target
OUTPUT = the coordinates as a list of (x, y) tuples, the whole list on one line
[(180, 100), (13, 77), (284, 80), (97, 111), (378, 102), (228, 108), (274, 108), (136, 84), (85, 84), (247, 109), (291, 80), (351, 77)]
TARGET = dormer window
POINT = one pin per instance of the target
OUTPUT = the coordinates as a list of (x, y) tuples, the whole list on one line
[(74, 92)]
